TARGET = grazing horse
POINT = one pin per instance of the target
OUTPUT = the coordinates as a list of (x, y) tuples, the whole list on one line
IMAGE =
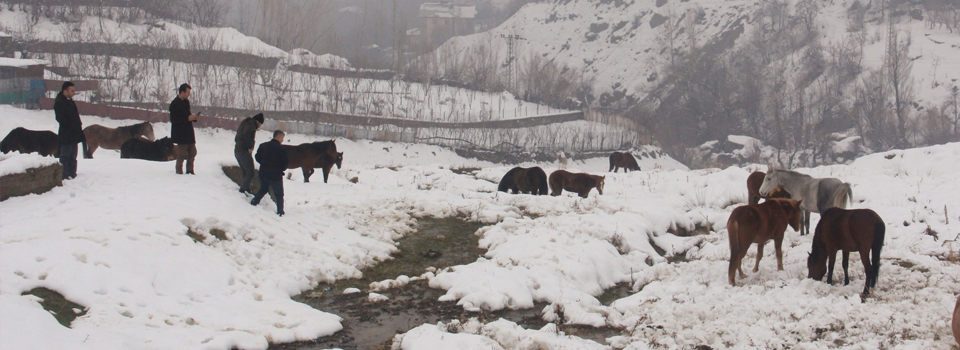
[(817, 194), (759, 223), (857, 230), (159, 151), (623, 160), (110, 138), (581, 183), (753, 188), (326, 163), (28, 141), (305, 156), (524, 180)]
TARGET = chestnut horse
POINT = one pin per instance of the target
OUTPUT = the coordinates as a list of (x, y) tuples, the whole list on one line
[(956, 322), (305, 156), (857, 230), (524, 180), (759, 223), (623, 160), (581, 183), (753, 188), (110, 138)]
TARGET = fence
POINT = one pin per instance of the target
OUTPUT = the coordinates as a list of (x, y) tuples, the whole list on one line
[(21, 91)]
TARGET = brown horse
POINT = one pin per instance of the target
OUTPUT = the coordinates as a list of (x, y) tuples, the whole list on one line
[(305, 156), (857, 230), (581, 183), (28, 141), (623, 160), (110, 138), (326, 163), (759, 223), (956, 322), (524, 180)]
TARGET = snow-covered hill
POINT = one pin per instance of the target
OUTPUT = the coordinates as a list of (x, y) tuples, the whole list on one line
[(625, 48), (115, 240)]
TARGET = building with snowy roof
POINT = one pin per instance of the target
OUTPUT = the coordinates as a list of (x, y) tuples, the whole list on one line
[(444, 20)]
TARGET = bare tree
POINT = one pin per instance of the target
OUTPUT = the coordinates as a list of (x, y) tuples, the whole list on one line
[(898, 68)]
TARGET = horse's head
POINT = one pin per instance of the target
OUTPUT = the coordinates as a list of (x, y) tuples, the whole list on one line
[(770, 182), (339, 160), (146, 130), (600, 180), (817, 260), (792, 209), (168, 148)]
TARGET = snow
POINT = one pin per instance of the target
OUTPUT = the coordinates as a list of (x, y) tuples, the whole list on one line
[(20, 62), (114, 240), (14, 162)]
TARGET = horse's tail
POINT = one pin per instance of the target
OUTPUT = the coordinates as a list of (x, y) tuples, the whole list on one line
[(542, 177), (879, 231), (86, 150), (612, 161), (842, 196), (733, 230)]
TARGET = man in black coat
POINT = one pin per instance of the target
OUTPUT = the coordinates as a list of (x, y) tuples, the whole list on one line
[(71, 129), (181, 129), (273, 162), (243, 150)]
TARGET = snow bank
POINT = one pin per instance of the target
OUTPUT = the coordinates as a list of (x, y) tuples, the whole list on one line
[(14, 162)]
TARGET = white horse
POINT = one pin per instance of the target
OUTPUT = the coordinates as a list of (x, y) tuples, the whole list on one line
[(817, 194)]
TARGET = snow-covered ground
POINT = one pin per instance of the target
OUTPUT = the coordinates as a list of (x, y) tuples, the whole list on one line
[(114, 240)]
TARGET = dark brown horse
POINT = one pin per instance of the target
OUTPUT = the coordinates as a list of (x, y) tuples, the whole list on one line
[(161, 150), (623, 160), (524, 180), (109, 138), (857, 230), (305, 156), (325, 163), (753, 189), (580, 183), (29, 141), (759, 223)]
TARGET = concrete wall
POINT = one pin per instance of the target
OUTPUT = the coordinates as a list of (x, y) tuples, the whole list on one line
[(34, 180)]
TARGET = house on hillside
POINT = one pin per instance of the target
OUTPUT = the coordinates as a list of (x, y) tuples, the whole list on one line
[(21, 81), (444, 20)]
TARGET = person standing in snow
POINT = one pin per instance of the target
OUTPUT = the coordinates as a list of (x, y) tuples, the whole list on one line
[(273, 162), (243, 150), (71, 129), (181, 129)]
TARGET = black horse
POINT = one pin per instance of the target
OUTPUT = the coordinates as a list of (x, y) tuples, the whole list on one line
[(159, 151), (29, 141), (525, 180)]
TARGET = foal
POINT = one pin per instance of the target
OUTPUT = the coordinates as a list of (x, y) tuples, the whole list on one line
[(857, 230), (759, 223)]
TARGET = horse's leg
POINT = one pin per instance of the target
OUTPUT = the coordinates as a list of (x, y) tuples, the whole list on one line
[(846, 260), (756, 267), (777, 242), (832, 260), (326, 173), (806, 222), (865, 258), (307, 171)]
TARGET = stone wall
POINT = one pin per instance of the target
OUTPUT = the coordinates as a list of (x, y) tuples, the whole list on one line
[(34, 180)]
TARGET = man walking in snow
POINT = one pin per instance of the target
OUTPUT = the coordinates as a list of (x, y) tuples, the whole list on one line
[(273, 162), (71, 129), (181, 129), (243, 150)]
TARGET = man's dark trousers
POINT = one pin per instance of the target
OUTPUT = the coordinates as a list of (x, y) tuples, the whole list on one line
[(266, 185)]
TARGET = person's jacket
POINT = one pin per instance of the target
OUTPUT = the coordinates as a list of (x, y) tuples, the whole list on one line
[(181, 128), (71, 128), (273, 160), (246, 134)]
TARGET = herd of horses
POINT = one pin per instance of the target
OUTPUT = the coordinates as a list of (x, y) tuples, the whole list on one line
[(789, 198), (138, 142)]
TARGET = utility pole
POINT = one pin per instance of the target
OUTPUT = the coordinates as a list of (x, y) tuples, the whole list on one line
[(509, 64)]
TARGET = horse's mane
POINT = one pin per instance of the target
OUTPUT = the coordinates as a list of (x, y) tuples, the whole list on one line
[(789, 172), (134, 129), (324, 145)]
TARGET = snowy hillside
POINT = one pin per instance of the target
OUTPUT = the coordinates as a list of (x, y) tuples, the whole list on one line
[(624, 46), (115, 241)]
